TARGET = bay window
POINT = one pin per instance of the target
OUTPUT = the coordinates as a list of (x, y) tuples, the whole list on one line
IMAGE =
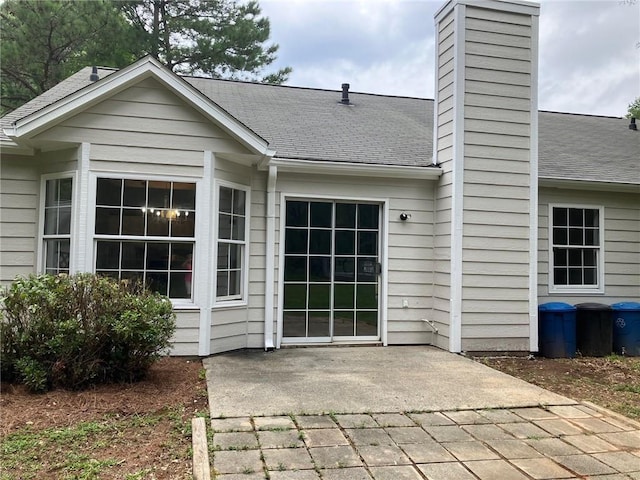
[(145, 232)]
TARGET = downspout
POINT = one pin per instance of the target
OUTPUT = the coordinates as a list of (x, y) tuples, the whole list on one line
[(269, 288)]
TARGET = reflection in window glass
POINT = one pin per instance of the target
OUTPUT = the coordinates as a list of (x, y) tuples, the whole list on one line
[(321, 214), (294, 324), (343, 325), (56, 256), (135, 193), (109, 192), (297, 214), (163, 267), (232, 218), (368, 216), (319, 324), (346, 215), (57, 225)]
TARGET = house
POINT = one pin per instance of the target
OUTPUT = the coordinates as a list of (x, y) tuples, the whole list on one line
[(276, 215)]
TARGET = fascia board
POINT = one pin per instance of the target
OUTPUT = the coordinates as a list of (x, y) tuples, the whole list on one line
[(144, 68), (355, 169), (581, 184)]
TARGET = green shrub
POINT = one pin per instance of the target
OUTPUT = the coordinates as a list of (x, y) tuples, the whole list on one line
[(74, 331)]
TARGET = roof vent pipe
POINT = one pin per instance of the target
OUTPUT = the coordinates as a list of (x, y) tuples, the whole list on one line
[(345, 94), (94, 74), (632, 125)]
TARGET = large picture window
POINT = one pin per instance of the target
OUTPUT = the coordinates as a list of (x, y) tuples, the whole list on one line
[(57, 225), (576, 244), (232, 219), (145, 231)]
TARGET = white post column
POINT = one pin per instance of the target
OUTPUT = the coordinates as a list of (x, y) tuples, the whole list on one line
[(203, 258), (81, 244)]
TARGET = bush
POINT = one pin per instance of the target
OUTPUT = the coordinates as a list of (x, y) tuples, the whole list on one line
[(74, 331)]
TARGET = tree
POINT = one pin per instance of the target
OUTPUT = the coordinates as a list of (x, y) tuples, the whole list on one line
[(213, 38), (634, 109), (45, 41)]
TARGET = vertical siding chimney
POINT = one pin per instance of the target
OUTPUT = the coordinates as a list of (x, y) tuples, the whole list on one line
[(485, 140)]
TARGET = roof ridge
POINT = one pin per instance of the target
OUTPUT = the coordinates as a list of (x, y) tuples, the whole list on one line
[(580, 114), (297, 87)]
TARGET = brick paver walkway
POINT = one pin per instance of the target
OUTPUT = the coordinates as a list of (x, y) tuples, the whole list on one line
[(562, 442)]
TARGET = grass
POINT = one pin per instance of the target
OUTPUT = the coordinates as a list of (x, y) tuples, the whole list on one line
[(23, 450), (81, 451), (628, 388)]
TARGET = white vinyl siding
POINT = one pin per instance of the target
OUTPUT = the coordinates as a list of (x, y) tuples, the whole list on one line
[(410, 252), (621, 245), (144, 128), (145, 116), (230, 320), (19, 194), (186, 334), (443, 151), (497, 180)]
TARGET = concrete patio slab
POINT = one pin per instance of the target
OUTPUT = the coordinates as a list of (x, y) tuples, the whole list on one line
[(403, 413), (358, 380)]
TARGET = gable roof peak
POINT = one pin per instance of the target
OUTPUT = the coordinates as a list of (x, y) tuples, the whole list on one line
[(146, 67)]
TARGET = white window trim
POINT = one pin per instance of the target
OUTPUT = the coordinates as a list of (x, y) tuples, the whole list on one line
[(227, 302), (177, 303), (40, 259), (576, 289)]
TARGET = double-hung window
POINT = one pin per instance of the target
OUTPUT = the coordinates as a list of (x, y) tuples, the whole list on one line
[(231, 243), (576, 248), (145, 232), (56, 233)]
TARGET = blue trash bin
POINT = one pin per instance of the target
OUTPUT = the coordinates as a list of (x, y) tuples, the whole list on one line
[(557, 330), (626, 328)]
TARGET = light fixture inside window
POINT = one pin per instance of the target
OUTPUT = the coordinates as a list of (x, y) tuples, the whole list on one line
[(168, 214)]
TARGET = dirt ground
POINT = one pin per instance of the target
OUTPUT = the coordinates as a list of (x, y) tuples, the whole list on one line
[(612, 382), (145, 426)]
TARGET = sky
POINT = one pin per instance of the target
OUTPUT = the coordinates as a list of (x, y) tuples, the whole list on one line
[(589, 57)]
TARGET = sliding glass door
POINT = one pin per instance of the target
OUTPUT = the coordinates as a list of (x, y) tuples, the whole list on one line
[(331, 271)]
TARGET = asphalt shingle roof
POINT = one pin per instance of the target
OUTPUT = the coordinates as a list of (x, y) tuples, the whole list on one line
[(311, 124)]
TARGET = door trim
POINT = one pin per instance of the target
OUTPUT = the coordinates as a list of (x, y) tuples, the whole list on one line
[(384, 255)]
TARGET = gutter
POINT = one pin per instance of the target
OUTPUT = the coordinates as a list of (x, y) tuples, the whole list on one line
[(270, 254), (582, 184), (293, 165)]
